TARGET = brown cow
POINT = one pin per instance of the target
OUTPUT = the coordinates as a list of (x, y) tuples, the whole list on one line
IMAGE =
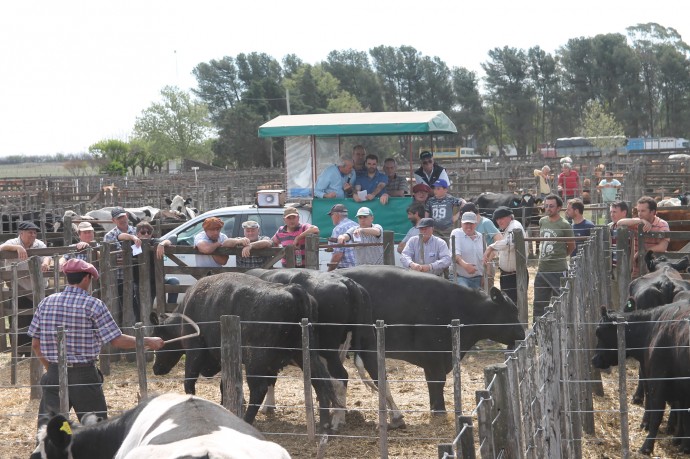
[(672, 215)]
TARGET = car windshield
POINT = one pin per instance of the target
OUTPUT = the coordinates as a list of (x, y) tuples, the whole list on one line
[(269, 222)]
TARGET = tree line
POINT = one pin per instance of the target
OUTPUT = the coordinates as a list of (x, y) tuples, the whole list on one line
[(607, 85)]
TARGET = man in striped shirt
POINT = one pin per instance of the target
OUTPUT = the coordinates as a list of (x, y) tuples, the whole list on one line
[(293, 233), (88, 326)]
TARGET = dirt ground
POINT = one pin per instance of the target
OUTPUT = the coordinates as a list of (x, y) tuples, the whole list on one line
[(359, 438)]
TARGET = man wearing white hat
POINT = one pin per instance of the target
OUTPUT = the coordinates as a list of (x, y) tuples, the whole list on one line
[(367, 232), (88, 325), (469, 252), (86, 237)]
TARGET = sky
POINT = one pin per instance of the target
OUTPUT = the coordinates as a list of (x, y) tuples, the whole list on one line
[(73, 73)]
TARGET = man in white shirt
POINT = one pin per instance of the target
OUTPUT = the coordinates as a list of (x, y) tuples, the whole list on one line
[(505, 247), (469, 250)]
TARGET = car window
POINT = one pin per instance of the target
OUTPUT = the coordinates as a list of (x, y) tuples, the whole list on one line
[(269, 222), (186, 236)]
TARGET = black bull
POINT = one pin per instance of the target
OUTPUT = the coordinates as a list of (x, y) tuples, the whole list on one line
[(523, 206), (399, 296), (267, 347)]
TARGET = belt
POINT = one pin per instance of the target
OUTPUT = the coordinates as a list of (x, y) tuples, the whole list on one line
[(507, 272), (78, 365)]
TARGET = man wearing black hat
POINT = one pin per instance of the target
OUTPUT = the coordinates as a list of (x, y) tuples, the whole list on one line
[(343, 257), (27, 232), (505, 247), (88, 326), (429, 172), (425, 252)]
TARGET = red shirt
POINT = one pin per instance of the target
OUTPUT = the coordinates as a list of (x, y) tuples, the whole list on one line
[(570, 184)]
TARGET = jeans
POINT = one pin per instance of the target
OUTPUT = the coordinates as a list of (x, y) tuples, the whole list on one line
[(546, 285), (471, 282), (509, 285), (172, 297)]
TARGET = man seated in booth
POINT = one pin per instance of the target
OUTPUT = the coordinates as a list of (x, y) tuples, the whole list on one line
[(336, 180), (373, 181)]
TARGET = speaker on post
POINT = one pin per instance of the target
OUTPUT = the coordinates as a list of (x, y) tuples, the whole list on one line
[(270, 198)]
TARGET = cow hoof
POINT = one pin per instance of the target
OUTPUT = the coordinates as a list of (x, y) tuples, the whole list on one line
[(637, 400), (268, 410), (337, 420), (397, 424), (438, 413)]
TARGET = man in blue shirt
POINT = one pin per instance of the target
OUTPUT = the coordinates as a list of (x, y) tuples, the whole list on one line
[(336, 180), (343, 257), (581, 226), (373, 182)]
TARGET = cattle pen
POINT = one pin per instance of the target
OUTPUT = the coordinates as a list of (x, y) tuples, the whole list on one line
[(543, 399)]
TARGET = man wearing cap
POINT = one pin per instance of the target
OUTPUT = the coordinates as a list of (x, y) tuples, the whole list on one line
[(443, 208), (343, 257), (207, 241), (251, 241), (337, 180), (86, 237), (88, 326), (27, 232), (469, 250), (505, 247), (367, 232), (425, 252), (372, 181), (489, 232), (293, 233), (421, 192), (123, 231), (415, 212), (429, 172), (553, 255)]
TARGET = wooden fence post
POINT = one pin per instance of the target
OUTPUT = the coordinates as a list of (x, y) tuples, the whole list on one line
[(306, 371), (485, 423), (63, 378), (109, 296), (39, 292), (388, 248), (457, 374), (466, 448), (311, 252), (141, 360), (549, 379), (521, 276), (623, 265), (505, 430), (144, 261), (513, 382), (231, 363), (622, 387), (14, 324)]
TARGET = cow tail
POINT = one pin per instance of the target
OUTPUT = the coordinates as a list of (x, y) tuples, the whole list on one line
[(319, 373)]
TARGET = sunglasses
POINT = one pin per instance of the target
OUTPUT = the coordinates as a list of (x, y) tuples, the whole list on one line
[(145, 232)]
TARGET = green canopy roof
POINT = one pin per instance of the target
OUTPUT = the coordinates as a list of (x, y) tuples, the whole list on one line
[(377, 123)]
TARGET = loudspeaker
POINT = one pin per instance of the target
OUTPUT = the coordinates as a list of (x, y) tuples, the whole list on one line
[(270, 198)]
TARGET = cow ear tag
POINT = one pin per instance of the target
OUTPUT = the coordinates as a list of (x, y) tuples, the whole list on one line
[(66, 428)]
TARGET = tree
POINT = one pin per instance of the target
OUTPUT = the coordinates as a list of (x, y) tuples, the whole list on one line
[(314, 90), (602, 126), (177, 127), (468, 112), (353, 70), (114, 156)]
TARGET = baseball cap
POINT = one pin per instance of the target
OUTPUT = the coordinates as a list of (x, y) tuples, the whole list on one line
[(77, 265), (426, 154), (365, 211), (440, 183), (425, 223), (24, 226), (501, 212), (469, 217), (250, 224), (338, 208), (290, 211), (116, 212), (421, 187), (84, 226)]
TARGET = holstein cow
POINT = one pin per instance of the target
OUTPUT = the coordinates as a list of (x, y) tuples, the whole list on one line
[(267, 347), (182, 205), (172, 426), (400, 296), (658, 339), (340, 301), (523, 206)]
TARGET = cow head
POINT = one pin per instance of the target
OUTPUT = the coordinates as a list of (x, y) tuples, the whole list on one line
[(505, 316), (655, 263), (606, 354), (54, 439), (167, 328)]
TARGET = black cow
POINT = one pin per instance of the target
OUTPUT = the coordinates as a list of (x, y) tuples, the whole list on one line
[(340, 301), (11, 221), (522, 206), (170, 425), (266, 347), (400, 296), (657, 338), (660, 285)]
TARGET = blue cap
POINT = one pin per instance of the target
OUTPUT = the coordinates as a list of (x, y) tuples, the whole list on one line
[(441, 183)]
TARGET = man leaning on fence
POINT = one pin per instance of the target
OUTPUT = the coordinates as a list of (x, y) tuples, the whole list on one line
[(88, 326), (26, 240), (505, 247), (367, 232), (425, 252), (553, 261)]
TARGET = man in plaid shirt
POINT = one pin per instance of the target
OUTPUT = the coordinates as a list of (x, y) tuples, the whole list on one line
[(88, 326)]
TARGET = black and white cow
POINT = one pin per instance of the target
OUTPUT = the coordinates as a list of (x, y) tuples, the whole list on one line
[(523, 206), (657, 338), (267, 347), (182, 205), (173, 426), (342, 304), (400, 296)]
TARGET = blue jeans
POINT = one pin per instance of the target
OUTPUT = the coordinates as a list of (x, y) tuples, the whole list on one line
[(172, 297), (471, 282)]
